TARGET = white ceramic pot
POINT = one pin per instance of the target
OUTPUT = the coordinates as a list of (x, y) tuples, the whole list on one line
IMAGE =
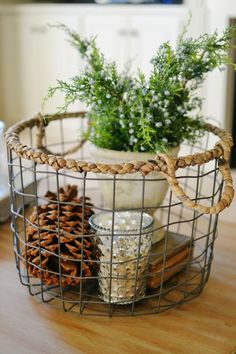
[(129, 187), (128, 194)]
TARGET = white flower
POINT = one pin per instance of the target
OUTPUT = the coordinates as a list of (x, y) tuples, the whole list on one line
[(166, 92), (148, 117), (131, 131), (108, 95), (158, 124), (168, 121), (125, 95), (166, 102), (179, 109), (130, 124), (143, 91), (166, 114), (122, 115), (122, 123), (142, 148), (165, 141), (131, 140), (206, 57), (99, 101), (135, 140)]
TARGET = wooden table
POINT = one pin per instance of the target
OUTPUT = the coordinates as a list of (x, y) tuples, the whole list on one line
[(203, 326)]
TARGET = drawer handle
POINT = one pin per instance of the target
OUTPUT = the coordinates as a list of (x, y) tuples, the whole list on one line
[(123, 32), (133, 33), (130, 33), (39, 29)]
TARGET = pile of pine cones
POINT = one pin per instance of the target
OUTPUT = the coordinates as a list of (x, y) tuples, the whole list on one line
[(59, 237)]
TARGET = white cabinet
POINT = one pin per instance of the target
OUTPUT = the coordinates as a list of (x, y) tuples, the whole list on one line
[(44, 56), (110, 36), (133, 39), (33, 56), (9, 69), (147, 33)]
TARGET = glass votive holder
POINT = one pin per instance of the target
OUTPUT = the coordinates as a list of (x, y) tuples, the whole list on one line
[(124, 241)]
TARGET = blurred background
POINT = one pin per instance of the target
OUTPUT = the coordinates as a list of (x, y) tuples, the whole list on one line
[(33, 56)]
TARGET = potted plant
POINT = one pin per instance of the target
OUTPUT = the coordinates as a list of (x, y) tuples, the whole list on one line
[(136, 117)]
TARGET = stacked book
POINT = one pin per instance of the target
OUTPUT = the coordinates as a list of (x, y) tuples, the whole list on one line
[(168, 257)]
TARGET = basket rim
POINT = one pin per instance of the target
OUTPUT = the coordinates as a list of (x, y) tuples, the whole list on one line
[(159, 164), (163, 163)]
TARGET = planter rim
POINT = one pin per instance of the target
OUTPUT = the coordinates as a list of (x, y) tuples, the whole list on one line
[(128, 155)]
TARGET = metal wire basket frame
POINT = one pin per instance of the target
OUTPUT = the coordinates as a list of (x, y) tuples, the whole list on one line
[(202, 175)]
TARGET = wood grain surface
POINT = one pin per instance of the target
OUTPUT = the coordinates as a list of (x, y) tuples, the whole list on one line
[(206, 325)]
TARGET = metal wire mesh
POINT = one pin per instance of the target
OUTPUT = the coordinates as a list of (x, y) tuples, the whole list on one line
[(30, 181)]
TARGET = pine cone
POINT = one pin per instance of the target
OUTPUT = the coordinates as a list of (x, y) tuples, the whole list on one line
[(44, 236)]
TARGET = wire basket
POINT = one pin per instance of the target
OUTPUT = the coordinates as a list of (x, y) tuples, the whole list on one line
[(96, 257)]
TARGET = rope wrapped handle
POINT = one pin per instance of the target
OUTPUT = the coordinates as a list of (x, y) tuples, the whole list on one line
[(221, 151), (162, 163), (40, 136), (226, 196)]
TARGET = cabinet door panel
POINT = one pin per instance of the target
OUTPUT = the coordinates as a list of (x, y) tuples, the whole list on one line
[(46, 57), (147, 33), (110, 32), (38, 56), (133, 40), (10, 102)]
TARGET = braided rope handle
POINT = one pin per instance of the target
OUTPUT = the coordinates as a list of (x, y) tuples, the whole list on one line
[(162, 163), (40, 136), (226, 196)]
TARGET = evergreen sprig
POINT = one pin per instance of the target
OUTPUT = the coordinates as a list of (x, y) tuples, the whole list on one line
[(145, 114)]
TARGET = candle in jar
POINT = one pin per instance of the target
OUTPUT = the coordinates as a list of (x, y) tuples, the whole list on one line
[(124, 240)]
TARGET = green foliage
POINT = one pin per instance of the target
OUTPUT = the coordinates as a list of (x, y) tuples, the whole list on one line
[(145, 114)]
